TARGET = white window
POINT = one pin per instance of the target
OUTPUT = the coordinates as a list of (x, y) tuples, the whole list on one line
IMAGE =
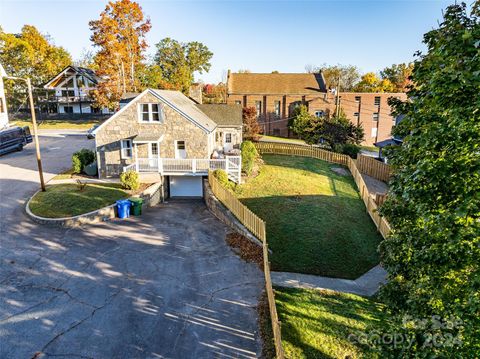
[(258, 107), (150, 112), (180, 151), (356, 114), (277, 108), (376, 101), (358, 99), (319, 113), (228, 138), (374, 132), (153, 149), (126, 149), (375, 116)]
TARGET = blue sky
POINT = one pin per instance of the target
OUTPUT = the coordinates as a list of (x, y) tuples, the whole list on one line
[(261, 36)]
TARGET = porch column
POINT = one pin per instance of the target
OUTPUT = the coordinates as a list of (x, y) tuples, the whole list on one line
[(136, 157), (158, 157)]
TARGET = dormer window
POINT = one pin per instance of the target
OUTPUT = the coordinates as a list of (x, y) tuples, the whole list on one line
[(150, 112)]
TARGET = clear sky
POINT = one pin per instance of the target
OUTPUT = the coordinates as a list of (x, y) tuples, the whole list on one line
[(261, 36)]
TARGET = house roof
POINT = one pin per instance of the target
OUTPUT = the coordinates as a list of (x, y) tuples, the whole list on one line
[(285, 84), (128, 96), (222, 114), (186, 107), (176, 100), (88, 73), (387, 142)]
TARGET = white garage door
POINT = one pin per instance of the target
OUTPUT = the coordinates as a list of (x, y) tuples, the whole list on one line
[(186, 186)]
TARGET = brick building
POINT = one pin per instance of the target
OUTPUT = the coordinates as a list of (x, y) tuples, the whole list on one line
[(276, 95)]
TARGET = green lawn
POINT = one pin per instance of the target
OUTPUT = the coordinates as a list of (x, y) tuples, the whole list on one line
[(60, 124), (316, 221), (65, 200), (283, 139), (317, 324)]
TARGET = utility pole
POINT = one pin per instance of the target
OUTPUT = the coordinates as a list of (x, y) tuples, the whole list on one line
[(35, 134), (34, 125), (337, 108)]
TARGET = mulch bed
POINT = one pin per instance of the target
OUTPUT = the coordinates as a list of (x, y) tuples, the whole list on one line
[(246, 249)]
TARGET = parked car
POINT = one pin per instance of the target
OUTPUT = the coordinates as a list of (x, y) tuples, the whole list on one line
[(90, 133), (14, 138)]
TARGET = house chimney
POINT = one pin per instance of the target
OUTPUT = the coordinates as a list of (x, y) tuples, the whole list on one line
[(195, 93)]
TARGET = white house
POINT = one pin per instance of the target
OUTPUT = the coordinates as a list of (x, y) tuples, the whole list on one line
[(69, 92), (3, 101)]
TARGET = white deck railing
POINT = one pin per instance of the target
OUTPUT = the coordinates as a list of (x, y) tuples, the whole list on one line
[(230, 164)]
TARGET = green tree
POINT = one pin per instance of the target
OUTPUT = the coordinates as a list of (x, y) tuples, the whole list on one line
[(179, 61), (372, 83), (433, 254), (398, 75), (29, 54), (305, 125), (119, 34)]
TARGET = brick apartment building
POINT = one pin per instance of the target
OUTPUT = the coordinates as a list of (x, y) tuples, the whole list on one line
[(276, 95)]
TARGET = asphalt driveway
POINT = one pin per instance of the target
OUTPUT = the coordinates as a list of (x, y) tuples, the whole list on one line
[(163, 285)]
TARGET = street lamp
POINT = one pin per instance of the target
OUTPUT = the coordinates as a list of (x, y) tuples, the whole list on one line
[(34, 122)]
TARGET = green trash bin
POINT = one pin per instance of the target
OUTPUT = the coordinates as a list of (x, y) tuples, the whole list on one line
[(136, 207)]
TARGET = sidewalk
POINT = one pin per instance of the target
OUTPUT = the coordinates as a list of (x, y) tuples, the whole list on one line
[(86, 180), (61, 133), (366, 285)]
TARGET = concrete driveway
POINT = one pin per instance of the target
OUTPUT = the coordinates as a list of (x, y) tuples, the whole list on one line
[(163, 285)]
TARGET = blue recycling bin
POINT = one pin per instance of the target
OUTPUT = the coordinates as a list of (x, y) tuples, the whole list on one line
[(123, 208)]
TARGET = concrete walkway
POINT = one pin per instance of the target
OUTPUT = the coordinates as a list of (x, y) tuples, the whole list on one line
[(365, 285), (86, 180)]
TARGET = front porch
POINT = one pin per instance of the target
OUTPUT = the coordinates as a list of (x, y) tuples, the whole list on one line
[(186, 166)]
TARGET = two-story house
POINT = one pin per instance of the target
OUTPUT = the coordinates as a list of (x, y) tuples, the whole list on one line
[(69, 92), (275, 96), (166, 133)]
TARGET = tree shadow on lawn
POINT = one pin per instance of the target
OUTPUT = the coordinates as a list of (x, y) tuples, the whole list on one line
[(316, 234)]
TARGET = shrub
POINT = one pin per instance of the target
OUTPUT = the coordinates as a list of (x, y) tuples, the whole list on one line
[(350, 149), (82, 158), (249, 155), (130, 180), (221, 175)]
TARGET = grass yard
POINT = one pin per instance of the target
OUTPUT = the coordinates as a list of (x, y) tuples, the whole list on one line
[(317, 324), (316, 221), (60, 124), (65, 200)]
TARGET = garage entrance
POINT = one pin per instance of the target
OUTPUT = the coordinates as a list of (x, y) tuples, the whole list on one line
[(186, 186)]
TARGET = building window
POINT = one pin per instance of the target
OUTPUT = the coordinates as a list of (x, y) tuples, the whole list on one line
[(374, 132), (319, 113), (228, 138), (150, 112), (375, 116), (68, 93), (376, 102), (358, 99), (95, 109), (180, 145), (356, 115), (126, 149), (277, 108), (180, 151), (258, 107), (238, 102), (154, 149), (68, 109)]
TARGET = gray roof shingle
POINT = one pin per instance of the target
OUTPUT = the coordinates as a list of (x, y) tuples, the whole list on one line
[(223, 114)]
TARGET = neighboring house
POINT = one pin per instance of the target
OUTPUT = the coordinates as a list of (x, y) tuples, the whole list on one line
[(392, 141), (164, 132), (69, 92), (275, 97), (3, 101)]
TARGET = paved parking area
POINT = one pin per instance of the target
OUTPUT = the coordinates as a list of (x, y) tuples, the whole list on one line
[(163, 285)]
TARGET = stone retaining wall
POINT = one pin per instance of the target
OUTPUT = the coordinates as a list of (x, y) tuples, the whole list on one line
[(152, 196), (224, 214)]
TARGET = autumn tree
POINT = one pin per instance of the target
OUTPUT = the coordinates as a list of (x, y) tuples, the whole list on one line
[(29, 54), (179, 61), (432, 255), (398, 75), (370, 82), (251, 128), (120, 36), (348, 75)]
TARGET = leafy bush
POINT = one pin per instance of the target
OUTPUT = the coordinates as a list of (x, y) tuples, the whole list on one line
[(221, 175), (350, 149), (130, 180), (249, 155), (82, 158)]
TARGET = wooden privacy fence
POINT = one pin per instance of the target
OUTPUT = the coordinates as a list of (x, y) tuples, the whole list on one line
[(258, 228), (299, 150), (373, 168)]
